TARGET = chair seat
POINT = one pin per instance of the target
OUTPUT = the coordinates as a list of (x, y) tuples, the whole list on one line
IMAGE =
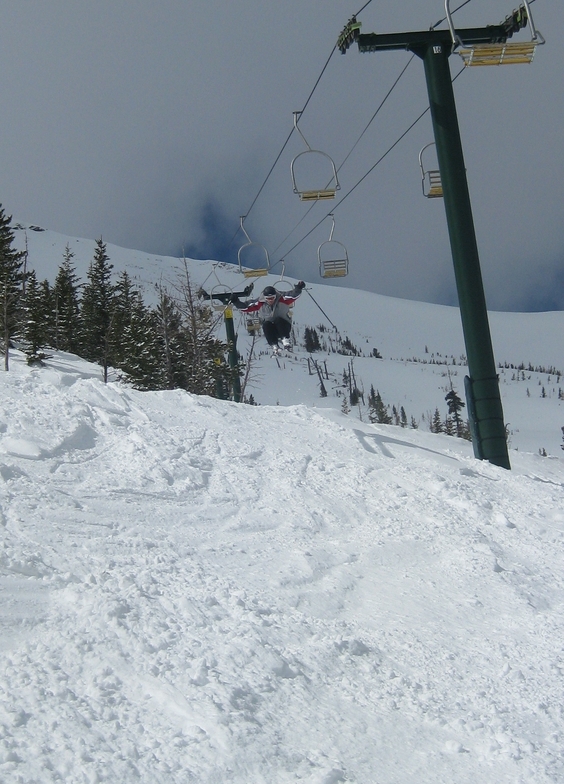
[(498, 54), (318, 195)]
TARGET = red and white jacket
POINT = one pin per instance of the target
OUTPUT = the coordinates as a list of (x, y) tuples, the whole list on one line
[(279, 309)]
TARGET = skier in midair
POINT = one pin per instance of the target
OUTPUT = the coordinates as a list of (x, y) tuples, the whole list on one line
[(273, 310)]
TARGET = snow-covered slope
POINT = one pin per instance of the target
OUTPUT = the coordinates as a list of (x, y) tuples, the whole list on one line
[(421, 344), (199, 591)]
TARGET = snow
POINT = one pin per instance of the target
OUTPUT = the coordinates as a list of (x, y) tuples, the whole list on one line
[(194, 590), (415, 340)]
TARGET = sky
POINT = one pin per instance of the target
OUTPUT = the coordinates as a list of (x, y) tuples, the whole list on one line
[(195, 591), (155, 126)]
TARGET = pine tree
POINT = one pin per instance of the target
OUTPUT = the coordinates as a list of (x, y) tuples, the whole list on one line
[(206, 366), (378, 412), (37, 319), (168, 324), (67, 327), (437, 423), (134, 338), (97, 310), (311, 340), (48, 310), (455, 405), (12, 277), (466, 433), (125, 299)]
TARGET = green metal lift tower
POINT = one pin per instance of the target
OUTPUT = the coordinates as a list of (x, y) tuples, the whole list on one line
[(478, 46)]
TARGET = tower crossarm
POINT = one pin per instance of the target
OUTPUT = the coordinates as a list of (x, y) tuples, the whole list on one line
[(419, 41)]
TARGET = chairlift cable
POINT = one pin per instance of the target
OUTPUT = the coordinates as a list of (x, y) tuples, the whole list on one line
[(371, 119), (359, 182), (268, 175), (458, 9), (398, 140), (318, 80), (363, 7), (377, 110), (321, 309), (287, 138), (389, 150), (353, 147), (454, 11), (292, 131)]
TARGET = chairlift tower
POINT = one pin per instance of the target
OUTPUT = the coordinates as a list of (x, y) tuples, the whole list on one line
[(434, 47)]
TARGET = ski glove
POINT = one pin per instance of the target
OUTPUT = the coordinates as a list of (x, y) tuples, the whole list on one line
[(300, 285)]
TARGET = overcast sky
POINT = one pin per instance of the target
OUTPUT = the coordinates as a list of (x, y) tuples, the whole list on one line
[(155, 124)]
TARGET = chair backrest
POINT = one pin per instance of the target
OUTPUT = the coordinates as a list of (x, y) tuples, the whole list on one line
[(334, 268), (435, 185)]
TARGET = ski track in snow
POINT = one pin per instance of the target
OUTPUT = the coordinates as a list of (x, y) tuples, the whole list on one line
[(197, 591)]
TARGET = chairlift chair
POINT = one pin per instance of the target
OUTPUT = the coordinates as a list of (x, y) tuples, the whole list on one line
[(247, 272), (219, 297), (220, 293), (326, 192), (502, 53), (332, 257), (252, 324), (282, 285), (431, 183)]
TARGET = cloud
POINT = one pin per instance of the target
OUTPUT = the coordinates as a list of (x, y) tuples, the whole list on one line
[(156, 126)]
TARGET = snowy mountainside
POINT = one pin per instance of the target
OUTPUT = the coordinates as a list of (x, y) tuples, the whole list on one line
[(421, 344), (199, 591)]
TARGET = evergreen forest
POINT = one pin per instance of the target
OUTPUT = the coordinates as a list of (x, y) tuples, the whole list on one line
[(104, 319)]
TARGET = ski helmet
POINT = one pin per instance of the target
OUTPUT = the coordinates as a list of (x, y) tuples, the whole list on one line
[(269, 291)]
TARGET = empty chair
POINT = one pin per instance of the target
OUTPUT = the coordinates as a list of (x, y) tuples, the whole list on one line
[(332, 257), (326, 184), (430, 178), (243, 254), (499, 52)]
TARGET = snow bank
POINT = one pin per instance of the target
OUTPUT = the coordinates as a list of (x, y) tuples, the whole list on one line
[(199, 591)]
